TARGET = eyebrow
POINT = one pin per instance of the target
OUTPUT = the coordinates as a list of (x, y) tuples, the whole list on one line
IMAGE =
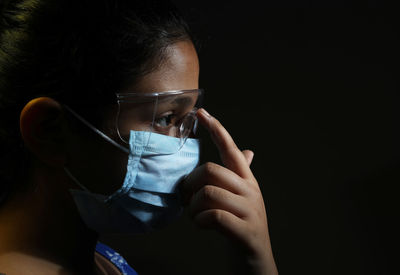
[(184, 101)]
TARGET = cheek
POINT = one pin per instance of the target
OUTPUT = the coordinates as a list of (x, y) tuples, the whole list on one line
[(138, 118), (98, 165), (111, 168)]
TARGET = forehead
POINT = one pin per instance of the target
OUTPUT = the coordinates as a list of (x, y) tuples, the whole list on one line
[(180, 71)]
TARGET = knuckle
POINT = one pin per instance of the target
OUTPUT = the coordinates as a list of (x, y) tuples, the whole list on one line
[(208, 192), (231, 148), (209, 168), (254, 188), (217, 216)]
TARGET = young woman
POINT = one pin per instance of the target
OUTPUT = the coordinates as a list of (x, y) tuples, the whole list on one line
[(99, 101)]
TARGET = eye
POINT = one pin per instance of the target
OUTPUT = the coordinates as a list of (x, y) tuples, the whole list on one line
[(165, 120)]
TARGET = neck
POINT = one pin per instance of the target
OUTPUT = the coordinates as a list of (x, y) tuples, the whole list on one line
[(44, 223)]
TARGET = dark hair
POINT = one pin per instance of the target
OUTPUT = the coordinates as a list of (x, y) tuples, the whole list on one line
[(74, 51)]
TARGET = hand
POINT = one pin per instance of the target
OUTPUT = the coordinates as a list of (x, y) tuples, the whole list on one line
[(227, 198)]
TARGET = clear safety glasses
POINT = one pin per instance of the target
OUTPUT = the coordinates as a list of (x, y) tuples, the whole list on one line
[(170, 113)]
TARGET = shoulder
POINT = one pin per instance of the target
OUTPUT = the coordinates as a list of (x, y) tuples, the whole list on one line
[(115, 258), (21, 263)]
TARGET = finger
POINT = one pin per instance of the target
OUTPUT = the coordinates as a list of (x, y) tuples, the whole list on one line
[(248, 155), (230, 155), (212, 174), (213, 197), (227, 223)]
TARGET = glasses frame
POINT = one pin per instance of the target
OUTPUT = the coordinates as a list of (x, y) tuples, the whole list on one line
[(123, 97)]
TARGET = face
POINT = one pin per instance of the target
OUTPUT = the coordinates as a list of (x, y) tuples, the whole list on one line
[(105, 165), (180, 72)]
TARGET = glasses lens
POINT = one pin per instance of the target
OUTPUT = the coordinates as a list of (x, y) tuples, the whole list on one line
[(188, 125), (170, 114)]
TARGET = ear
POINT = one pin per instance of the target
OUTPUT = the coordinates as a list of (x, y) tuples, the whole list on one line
[(42, 126)]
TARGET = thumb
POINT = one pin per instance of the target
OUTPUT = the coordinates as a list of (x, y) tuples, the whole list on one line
[(248, 154)]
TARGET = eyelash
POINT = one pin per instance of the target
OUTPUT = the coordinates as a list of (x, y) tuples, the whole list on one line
[(169, 117)]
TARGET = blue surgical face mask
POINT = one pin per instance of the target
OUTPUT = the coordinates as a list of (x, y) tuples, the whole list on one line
[(148, 198)]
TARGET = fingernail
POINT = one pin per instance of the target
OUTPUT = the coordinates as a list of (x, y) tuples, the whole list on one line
[(252, 157), (206, 113)]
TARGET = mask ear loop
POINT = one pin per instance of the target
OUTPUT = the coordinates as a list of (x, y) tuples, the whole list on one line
[(97, 131), (75, 180)]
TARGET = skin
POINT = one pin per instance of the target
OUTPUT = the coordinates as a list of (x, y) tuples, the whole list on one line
[(228, 198), (41, 230)]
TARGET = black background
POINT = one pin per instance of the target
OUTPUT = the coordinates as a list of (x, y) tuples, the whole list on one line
[(312, 89)]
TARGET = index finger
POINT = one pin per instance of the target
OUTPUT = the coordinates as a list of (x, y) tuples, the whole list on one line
[(231, 156)]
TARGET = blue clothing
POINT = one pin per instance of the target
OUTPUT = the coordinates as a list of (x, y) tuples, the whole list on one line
[(115, 258)]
